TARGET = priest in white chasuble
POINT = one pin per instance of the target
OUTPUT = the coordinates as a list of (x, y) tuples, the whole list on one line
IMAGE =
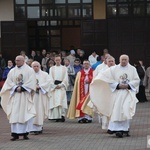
[(58, 98), (17, 100), (101, 67), (103, 120), (41, 97), (80, 97), (113, 92)]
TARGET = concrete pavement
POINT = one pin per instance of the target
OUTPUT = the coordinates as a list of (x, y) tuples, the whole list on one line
[(74, 136)]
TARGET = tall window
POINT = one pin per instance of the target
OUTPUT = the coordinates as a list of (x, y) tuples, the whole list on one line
[(128, 8), (53, 9)]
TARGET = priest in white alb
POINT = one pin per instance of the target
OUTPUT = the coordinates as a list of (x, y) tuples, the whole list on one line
[(17, 101), (40, 98), (58, 98), (113, 92)]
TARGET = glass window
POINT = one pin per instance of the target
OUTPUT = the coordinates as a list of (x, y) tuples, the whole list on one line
[(20, 12), (32, 1), (124, 0), (47, 1), (73, 1), (138, 0), (53, 23), (87, 11), (60, 11), (60, 1), (45, 11), (74, 11), (47, 23), (55, 32), (58, 22), (123, 9), (20, 1), (87, 1), (139, 9), (111, 10), (33, 12), (111, 1), (41, 23)]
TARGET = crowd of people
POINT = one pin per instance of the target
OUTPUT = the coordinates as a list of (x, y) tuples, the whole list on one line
[(54, 86)]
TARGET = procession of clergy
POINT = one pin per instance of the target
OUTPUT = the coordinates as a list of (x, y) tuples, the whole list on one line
[(30, 95)]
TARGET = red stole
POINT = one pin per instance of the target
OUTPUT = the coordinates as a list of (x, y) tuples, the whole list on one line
[(82, 94)]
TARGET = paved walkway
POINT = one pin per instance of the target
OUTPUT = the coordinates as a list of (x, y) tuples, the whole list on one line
[(73, 136)]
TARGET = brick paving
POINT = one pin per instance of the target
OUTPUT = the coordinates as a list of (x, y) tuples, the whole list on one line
[(73, 136)]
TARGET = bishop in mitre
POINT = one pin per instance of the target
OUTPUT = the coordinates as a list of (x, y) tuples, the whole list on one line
[(113, 92)]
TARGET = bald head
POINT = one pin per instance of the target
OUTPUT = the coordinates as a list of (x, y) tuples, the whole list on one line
[(36, 66), (124, 60), (19, 61)]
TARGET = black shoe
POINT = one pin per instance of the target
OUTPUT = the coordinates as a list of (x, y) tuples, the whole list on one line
[(119, 134), (62, 119), (36, 132), (110, 132), (89, 121), (80, 121), (14, 139), (40, 132), (85, 120), (58, 120), (25, 137), (126, 133)]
